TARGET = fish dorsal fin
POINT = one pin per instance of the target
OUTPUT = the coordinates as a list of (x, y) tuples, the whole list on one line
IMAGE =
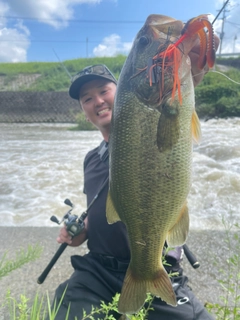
[(112, 215), (196, 127)]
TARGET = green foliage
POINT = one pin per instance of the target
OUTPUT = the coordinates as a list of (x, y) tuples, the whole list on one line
[(229, 306), (22, 309), (230, 62), (82, 123), (218, 96), (108, 309), (25, 67), (22, 257)]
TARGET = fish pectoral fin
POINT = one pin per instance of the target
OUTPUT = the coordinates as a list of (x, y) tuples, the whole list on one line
[(168, 129), (111, 213), (177, 235), (196, 127), (134, 291)]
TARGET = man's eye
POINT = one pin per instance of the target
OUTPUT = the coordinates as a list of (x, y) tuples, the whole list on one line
[(104, 91), (87, 100)]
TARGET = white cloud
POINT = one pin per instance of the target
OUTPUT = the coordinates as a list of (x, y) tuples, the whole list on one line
[(19, 25), (14, 45), (44, 10), (112, 46), (3, 10), (13, 40)]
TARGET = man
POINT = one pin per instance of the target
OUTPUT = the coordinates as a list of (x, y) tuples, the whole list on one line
[(99, 275)]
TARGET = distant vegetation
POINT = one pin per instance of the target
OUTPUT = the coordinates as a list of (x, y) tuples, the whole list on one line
[(216, 96), (53, 75)]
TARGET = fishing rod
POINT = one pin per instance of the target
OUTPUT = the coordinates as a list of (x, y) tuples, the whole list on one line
[(74, 225), (64, 67), (191, 257), (220, 11)]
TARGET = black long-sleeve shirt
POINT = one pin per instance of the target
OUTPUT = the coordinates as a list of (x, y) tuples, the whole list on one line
[(103, 238)]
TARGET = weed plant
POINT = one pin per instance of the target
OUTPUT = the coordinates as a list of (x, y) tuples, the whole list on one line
[(228, 307), (22, 257), (41, 309)]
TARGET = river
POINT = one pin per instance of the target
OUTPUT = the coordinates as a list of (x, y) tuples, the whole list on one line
[(41, 166)]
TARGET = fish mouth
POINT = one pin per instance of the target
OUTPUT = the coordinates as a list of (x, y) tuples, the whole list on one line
[(102, 111)]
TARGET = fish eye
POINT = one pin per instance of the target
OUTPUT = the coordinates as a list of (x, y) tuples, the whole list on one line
[(143, 40)]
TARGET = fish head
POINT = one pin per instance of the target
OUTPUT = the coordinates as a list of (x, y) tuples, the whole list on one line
[(143, 69)]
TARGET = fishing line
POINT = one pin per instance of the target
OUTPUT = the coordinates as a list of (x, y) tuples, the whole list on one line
[(225, 76), (230, 79)]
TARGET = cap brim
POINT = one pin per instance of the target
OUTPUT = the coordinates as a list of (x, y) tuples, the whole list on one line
[(77, 84)]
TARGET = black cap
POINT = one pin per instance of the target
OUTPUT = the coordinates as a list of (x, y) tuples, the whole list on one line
[(87, 74)]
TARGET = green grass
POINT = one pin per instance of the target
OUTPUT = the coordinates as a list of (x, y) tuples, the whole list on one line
[(73, 66), (53, 76), (228, 307), (40, 308), (22, 257)]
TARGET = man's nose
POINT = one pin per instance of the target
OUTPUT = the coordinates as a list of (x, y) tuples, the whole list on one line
[(99, 100)]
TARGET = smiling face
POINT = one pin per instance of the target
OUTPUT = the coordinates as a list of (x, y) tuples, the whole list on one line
[(97, 99)]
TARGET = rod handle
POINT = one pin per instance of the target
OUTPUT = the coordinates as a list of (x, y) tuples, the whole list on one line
[(45, 272), (191, 257)]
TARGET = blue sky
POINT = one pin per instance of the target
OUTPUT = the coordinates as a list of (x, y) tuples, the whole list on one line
[(33, 30)]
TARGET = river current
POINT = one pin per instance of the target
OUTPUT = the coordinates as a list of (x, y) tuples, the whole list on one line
[(42, 164)]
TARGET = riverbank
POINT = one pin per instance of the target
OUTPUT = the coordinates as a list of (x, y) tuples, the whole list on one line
[(205, 245)]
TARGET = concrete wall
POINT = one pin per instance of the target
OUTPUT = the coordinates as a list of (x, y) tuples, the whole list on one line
[(37, 107)]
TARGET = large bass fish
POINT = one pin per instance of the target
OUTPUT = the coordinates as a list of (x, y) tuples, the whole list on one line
[(153, 125)]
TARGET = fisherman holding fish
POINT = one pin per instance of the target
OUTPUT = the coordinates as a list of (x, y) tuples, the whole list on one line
[(100, 274)]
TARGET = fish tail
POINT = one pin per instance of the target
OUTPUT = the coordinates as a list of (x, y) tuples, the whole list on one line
[(134, 291), (133, 294), (161, 287)]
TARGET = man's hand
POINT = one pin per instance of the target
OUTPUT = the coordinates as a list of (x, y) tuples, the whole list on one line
[(197, 73), (64, 236)]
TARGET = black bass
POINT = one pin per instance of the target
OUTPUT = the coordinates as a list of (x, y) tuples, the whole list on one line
[(153, 125)]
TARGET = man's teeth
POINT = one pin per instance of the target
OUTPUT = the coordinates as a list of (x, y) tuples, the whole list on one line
[(103, 111)]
